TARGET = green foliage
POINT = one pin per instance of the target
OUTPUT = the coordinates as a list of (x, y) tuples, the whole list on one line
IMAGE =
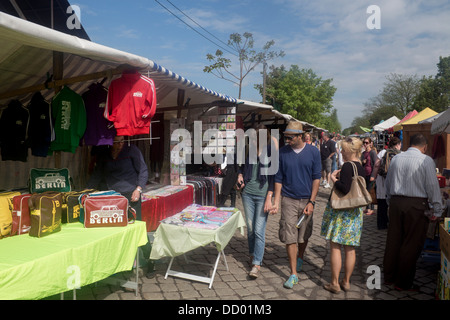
[(434, 93), (331, 122), (303, 95)]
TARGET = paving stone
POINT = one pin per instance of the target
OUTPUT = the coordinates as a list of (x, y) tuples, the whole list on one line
[(236, 284)]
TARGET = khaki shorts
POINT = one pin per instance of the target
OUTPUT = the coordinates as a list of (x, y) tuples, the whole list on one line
[(291, 209)]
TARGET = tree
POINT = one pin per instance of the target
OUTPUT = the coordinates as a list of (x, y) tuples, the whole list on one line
[(331, 122), (300, 93), (249, 59), (397, 98), (434, 92), (399, 92)]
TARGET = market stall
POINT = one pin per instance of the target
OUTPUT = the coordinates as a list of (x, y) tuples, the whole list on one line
[(397, 126), (44, 63), (422, 115), (381, 131), (57, 63), (438, 144)]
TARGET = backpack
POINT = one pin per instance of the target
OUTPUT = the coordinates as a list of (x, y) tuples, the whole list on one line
[(386, 161)]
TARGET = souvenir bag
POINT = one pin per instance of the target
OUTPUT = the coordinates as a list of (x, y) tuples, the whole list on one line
[(43, 180), (84, 195), (21, 215), (71, 206), (358, 196), (105, 211), (6, 207), (45, 213)]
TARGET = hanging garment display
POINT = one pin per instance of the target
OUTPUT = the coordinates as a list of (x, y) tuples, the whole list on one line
[(13, 132), (40, 128), (99, 131), (69, 116), (131, 104), (205, 189)]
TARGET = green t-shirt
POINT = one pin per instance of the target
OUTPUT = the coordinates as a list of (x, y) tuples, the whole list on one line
[(69, 115), (253, 186)]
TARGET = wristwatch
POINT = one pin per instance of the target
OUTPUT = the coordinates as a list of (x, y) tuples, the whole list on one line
[(139, 189), (312, 202)]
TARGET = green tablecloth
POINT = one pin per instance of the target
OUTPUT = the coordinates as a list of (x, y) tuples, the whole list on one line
[(35, 268), (173, 240)]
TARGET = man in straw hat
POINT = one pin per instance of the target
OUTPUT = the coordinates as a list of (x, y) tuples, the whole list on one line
[(296, 183)]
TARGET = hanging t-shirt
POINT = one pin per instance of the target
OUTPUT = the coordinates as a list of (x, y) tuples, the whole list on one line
[(13, 132), (99, 131), (69, 116), (41, 126), (131, 104)]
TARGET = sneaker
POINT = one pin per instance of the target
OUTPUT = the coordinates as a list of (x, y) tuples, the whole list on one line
[(299, 264), (327, 186), (254, 273), (322, 183), (289, 284)]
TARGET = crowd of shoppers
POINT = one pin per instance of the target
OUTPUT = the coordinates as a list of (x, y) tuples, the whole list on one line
[(305, 164)]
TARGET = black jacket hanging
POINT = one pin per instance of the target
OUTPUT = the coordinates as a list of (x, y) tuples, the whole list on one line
[(40, 128), (13, 132)]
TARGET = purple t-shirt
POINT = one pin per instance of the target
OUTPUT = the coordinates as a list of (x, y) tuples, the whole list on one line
[(99, 131)]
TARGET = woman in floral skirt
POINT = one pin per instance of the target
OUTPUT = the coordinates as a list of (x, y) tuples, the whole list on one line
[(343, 227)]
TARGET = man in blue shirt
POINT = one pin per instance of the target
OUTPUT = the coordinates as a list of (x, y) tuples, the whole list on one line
[(296, 183)]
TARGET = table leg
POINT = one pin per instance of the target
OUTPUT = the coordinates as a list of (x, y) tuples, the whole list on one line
[(215, 269), (208, 280), (137, 272), (168, 268)]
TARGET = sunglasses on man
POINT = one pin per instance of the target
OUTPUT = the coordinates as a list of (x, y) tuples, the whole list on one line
[(290, 137)]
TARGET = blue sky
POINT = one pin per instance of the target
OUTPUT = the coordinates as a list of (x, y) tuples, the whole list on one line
[(330, 37)]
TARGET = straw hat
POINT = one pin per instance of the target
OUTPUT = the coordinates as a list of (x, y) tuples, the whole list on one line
[(294, 127)]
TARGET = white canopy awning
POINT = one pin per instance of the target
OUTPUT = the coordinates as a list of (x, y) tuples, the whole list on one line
[(386, 124), (26, 58)]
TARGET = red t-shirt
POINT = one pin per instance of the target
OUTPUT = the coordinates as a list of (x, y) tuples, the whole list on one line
[(131, 104)]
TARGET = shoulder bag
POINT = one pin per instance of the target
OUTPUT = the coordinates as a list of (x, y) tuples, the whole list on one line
[(358, 196)]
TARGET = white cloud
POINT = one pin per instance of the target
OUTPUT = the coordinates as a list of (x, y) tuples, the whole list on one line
[(336, 43), (128, 33)]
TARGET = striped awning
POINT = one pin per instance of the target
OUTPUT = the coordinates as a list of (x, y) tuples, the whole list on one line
[(26, 65)]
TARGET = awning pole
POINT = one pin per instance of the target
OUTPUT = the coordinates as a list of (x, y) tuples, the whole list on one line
[(58, 72)]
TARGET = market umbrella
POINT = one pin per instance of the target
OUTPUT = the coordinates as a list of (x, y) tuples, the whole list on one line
[(384, 125), (408, 116), (424, 114), (365, 129)]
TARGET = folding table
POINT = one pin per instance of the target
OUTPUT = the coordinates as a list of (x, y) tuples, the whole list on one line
[(171, 240)]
